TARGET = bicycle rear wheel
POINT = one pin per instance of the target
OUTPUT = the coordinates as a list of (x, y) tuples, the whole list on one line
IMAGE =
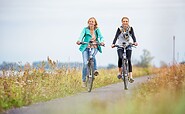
[(125, 74), (90, 78)]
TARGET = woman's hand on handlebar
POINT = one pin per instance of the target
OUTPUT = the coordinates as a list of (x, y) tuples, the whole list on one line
[(135, 43), (78, 42), (102, 44), (113, 45)]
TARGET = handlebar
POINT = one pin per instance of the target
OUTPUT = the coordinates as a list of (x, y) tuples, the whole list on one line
[(92, 43), (124, 45)]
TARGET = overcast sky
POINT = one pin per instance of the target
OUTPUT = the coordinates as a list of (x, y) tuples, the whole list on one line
[(31, 30)]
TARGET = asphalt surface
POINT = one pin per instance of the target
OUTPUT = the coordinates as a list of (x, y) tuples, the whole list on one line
[(71, 104)]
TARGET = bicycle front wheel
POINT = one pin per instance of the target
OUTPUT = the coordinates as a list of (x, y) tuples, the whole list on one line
[(90, 78), (125, 74)]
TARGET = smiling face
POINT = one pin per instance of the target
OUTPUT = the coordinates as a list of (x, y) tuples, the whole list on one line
[(92, 22), (125, 22)]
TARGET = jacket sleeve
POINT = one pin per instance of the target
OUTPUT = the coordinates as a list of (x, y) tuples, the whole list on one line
[(116, 36), (99, 35), (132, 34), (82, 35)]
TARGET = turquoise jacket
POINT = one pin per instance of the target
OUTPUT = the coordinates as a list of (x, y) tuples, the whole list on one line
[(85, 36)]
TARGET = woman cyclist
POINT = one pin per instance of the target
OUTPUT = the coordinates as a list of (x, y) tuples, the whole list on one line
[(90, 33), (123, 34)]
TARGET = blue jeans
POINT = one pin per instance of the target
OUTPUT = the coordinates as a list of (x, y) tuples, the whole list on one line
[(85, 55)]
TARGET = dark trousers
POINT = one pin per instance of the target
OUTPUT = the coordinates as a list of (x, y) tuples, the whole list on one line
[(128, 55)]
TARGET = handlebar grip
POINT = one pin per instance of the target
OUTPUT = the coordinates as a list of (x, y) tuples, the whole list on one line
[(83, 43), (116, 46)]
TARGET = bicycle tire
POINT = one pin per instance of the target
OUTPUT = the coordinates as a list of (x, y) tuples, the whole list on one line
[(90, 78), (125, 74)]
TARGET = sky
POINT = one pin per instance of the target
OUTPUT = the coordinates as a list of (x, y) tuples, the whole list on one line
[(35, 29)]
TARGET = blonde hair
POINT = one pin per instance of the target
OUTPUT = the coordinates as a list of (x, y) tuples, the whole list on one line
[(124, 18), (96, 23)]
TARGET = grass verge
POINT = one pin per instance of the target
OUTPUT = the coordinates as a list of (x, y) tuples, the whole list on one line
[(37, 85)]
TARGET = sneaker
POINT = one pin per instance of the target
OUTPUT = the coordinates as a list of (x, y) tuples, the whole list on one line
[(119, 76), (84, 84), (131, 80), (96, 73)]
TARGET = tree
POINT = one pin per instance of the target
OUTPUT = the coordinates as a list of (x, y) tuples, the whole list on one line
[(146, 59), (110, 66)]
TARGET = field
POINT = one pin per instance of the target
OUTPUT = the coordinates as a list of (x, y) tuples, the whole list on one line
[(164, 93), (31, 85)]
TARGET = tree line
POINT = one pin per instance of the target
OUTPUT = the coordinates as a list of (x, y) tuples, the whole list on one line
[(145, 61), (44, 64)]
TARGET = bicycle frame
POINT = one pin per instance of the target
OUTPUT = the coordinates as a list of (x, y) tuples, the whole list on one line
[(125, 69), (124, 64), (90, 77), (90, 62)]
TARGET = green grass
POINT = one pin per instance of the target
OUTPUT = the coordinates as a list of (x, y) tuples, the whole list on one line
[(37, 85)]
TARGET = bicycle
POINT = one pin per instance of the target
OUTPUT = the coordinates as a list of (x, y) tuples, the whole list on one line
[(90, 77), (124, 75)]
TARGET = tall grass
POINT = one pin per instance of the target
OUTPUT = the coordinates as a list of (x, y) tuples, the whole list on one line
[(163, 94), (36, 85)]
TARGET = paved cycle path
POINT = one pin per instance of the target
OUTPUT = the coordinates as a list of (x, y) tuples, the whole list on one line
[(71, 104)]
